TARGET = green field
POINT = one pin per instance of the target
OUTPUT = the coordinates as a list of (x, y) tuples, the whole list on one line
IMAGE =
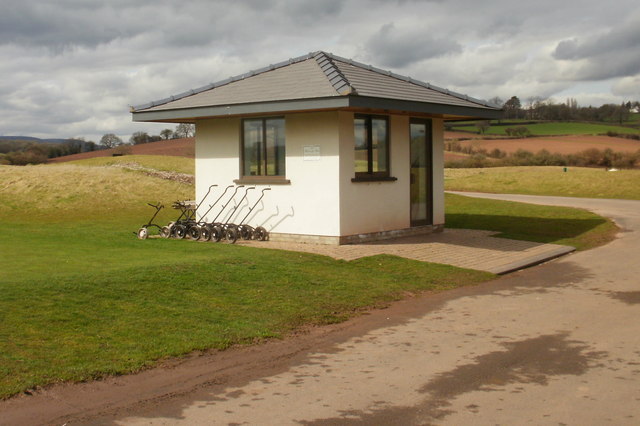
[(558, 225), (157, 162), (556, 129), (81, 297), (533, 180)]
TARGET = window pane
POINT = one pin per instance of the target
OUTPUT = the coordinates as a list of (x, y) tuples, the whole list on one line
[(379, 144), (252, 146), (361, 159), (275, 147), (418, 172)]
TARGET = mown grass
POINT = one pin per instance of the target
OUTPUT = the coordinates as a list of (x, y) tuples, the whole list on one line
[(158, 162), (545, 224), (107, 303), (557, 128), (533, 180), (81, 297)]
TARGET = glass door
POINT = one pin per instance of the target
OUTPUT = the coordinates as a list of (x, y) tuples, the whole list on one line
[(421, 172)]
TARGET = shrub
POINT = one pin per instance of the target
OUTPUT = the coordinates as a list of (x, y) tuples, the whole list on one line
[(26, 157), (497, 153), (122, 150)]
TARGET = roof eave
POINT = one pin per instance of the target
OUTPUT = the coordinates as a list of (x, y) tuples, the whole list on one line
[(334, 102), (468, 112), (275, 107)]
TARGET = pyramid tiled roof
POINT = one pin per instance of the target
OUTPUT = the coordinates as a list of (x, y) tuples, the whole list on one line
[(314, 81)]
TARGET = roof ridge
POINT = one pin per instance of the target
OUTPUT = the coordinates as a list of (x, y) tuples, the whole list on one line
[(337, 79), (224, 82), (407, 79)]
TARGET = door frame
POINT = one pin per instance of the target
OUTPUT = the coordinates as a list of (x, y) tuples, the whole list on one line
[(429, 172)]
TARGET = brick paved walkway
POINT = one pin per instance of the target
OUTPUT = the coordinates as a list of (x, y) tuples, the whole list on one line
[(464, 248)]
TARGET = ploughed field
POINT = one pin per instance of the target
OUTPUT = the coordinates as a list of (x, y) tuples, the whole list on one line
[(571, 144), (184, 147)]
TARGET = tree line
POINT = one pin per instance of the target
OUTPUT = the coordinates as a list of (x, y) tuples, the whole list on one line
[(21, 152), (182, 130), (537, 108)]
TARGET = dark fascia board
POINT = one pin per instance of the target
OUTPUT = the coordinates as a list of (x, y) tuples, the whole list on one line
[(242, 109), (424, 107), (317, 104)]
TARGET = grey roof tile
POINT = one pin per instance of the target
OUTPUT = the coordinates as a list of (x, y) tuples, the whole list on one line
[(316, 75)]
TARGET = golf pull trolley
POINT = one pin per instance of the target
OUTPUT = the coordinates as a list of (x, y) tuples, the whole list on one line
[(229, 229), (187, 225), (181, 226), (143, 232), (246, 231), (218, 228), (201, 230)]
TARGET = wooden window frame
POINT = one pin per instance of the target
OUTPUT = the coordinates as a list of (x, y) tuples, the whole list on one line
[(262, 178), (370, 175)]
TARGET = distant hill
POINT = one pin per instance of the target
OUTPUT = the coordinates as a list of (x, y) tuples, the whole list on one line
[(33, 139)]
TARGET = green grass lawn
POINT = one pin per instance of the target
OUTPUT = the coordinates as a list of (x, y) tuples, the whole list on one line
[(81, 297), (81, 301), (533, 180), (557, 128), (545, 224), (158, 162)]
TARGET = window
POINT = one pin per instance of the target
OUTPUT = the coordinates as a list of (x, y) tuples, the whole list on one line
[(263, 147), (371, 147)]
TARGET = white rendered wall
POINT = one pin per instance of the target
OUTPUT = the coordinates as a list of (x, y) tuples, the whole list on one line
[(321, 199), (309, 205), (374, 206)]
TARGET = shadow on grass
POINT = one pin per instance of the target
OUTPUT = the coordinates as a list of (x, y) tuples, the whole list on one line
[(538, 229)]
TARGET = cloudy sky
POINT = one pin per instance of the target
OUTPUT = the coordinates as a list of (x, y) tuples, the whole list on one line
[(71, 68)]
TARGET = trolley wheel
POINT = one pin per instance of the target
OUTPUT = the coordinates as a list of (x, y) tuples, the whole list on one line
[(143, 233), (216, 234), (260, 234), (231, 234), (165, 231), (246, 232), (205, 233), (194, 232), (180, 231)]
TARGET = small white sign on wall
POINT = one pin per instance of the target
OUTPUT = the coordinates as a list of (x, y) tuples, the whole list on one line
[(311, 153)]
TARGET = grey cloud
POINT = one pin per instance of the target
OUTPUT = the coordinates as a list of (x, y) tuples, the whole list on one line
[(396, 48), (624, 38), (615, 53), (108, 54), (566, 49)]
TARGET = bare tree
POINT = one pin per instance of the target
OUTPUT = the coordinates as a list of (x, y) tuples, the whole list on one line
[(512, 107), (184, 130), (110, 140), (482, 126), (497, 101), (138, 138), (166, 134)]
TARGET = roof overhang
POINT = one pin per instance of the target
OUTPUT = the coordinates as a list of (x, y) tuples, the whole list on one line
[(300, 105)]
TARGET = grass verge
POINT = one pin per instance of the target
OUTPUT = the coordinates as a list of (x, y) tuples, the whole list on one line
[(545, 224), (534, 180)]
